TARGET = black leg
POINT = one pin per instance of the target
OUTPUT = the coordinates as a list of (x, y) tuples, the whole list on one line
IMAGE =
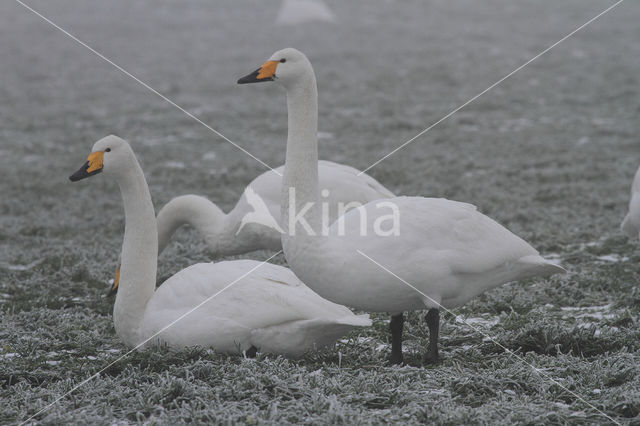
[(251, 352), (395, 326), (433, 321)]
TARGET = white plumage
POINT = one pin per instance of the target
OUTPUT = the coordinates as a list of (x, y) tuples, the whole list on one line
[(270, 309), (243, 303), (631, 223), (239, 231), (445, 251)]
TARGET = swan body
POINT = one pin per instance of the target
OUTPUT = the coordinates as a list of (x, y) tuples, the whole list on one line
[(253, 222), (446, 249), (269, 309), (436, 253), (631, 223), (231, 306)]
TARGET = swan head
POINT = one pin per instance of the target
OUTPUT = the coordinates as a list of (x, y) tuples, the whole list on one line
[(109, 154), (286, 66)]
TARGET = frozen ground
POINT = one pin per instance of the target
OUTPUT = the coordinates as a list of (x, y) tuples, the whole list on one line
[(550, 153)]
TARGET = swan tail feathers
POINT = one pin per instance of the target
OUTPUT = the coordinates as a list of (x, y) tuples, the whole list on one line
[(294, 338), (541, 267), (355, 320)]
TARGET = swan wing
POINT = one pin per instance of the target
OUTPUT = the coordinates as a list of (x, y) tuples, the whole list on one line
[(261, 213), (446, 249), (343, 182), (334, 175), (262, 194), (301, 336), (231, 299), (454, 233)]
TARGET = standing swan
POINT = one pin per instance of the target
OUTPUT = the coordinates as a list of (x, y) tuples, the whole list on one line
[(446, 252), (631, 223), (241, 305), (227, 234)]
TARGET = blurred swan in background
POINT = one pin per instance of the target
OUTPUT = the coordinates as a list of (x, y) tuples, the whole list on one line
[(296, 12)]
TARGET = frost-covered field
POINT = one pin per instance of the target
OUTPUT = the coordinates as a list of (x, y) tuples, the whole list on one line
[(550, 153)]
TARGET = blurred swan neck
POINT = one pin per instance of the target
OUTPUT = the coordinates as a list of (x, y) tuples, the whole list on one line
[(139, 254)]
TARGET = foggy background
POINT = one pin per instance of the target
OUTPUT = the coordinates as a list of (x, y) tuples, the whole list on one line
[(549, 153)]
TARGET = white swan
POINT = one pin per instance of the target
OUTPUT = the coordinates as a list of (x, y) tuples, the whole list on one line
[(631, 222), (266, 307), (447, 250), (250, 225)]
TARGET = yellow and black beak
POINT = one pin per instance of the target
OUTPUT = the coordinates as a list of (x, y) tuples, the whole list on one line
[(267, 72), (91, 167), (114, 286)]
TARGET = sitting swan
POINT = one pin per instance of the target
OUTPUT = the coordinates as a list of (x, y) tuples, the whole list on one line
[(239, 305), (443, 252), (232, 233), (631, 223)]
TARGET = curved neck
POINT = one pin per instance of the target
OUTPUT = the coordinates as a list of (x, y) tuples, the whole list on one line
[(207, 218), (139, 254), (300, 182)]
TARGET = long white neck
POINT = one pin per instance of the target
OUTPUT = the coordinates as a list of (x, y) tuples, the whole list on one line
[(207, 218), (139, 254), (301, 163)]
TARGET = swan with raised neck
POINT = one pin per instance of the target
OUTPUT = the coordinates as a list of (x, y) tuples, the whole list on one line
[(114, 157), (447, 251), (300, 180), (248, 305)]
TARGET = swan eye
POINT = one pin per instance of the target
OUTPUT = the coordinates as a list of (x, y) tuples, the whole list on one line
[(283, 60), (107, 150)]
